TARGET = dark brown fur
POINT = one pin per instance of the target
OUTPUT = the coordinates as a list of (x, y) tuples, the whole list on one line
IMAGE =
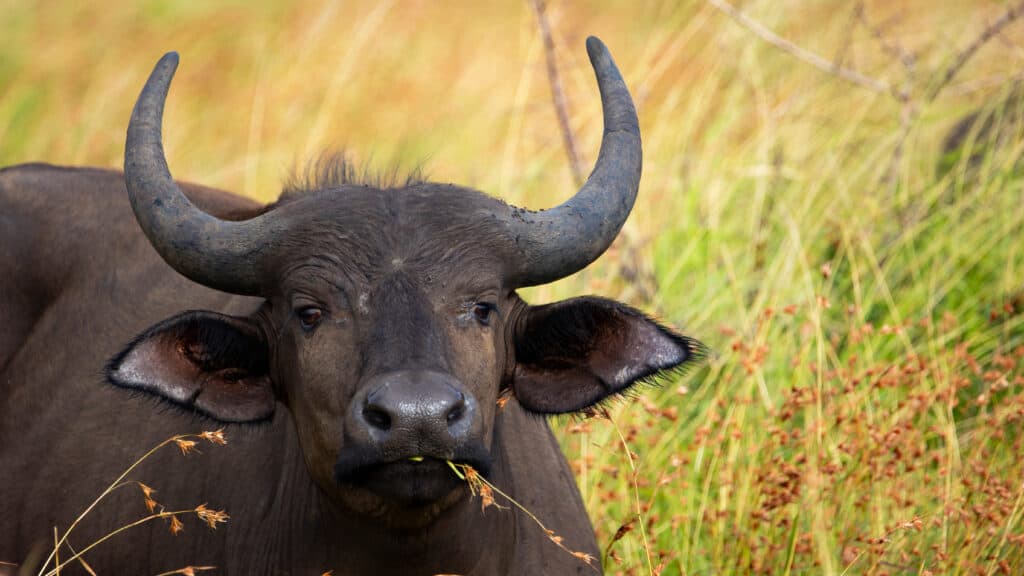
[(397, 272)]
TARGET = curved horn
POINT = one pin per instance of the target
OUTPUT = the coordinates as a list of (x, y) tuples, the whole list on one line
[(564, 239), (217, 253)]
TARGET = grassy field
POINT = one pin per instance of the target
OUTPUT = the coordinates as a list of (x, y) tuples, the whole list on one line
[(860, 282)]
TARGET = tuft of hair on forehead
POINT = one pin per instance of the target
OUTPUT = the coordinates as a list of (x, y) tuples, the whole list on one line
[(334, 169)]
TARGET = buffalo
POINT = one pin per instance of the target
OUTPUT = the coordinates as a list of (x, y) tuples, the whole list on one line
[(354, 337)]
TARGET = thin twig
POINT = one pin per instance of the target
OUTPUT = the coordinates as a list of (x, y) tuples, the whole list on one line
[(844, 46), (892, 48), (557, 94), (762, 32), (909, 109), (989, 32)]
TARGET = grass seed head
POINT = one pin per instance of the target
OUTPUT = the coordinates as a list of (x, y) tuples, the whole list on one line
[(147, 493), (176, 525), (503, 398), (478, 486), (215, 437), (487, 498), (624, 529), (186, 446), (585, 558), (211, 517), (146, 490)]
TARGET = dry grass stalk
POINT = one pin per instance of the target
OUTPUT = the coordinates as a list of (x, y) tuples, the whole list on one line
[(176, 526), (479, 486), (557, 94), (85, 565), (188, 570), (915, 524), (1011, 520), (187, 444), (634, 472)]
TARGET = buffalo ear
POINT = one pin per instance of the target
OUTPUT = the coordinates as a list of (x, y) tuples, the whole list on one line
[(201, 361), (572, 355)]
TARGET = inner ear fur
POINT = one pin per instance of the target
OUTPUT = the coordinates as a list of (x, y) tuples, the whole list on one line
[(574, 354), (203, 362)]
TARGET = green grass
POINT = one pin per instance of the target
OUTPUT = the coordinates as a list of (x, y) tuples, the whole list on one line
[(863, 410)]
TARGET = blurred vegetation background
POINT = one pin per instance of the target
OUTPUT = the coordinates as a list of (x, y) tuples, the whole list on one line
[(857, 269)]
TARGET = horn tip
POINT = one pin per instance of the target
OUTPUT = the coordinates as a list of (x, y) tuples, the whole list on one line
[(595, 47), (169, 59), (600, 57)]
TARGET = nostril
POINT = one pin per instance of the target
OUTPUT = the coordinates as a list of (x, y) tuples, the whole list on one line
[(457, 410), (377, 418)]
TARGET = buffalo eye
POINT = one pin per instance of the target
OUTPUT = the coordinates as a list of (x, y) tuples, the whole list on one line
[(309, 317), (482, 312)]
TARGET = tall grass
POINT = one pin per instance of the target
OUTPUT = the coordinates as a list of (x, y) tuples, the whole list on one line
[(863, 411)]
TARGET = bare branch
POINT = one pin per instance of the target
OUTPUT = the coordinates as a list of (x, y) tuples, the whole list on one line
[(844, 46), (762, 32), (905, 95), (893, 49), (557, 95), (990, 31)]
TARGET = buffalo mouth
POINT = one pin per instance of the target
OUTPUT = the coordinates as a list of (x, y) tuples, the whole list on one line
[(409, 480)]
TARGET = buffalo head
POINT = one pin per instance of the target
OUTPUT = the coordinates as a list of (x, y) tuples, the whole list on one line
[(390, 324)]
